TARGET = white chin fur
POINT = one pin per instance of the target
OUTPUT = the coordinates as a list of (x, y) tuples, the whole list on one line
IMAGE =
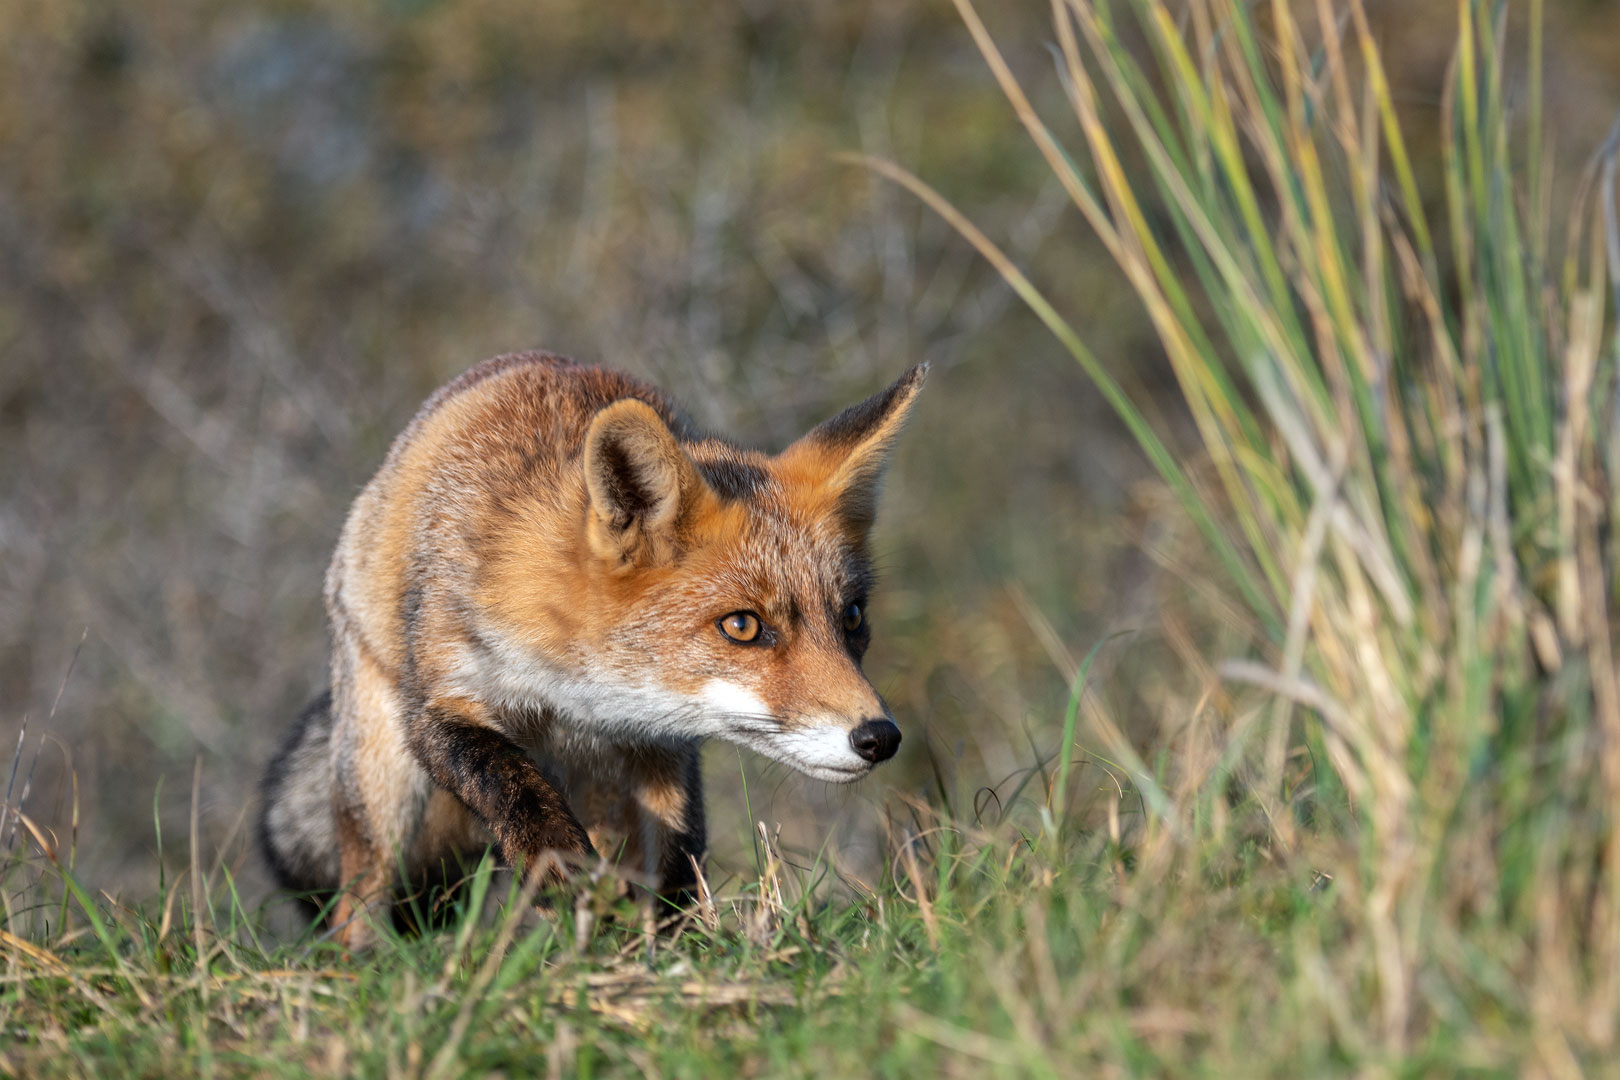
[(822, 752), (722, 709)]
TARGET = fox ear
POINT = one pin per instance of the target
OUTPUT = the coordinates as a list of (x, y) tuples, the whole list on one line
[(844, 458), (638, 479)]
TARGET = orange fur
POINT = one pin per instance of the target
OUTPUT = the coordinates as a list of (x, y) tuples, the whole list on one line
[(527, 606)]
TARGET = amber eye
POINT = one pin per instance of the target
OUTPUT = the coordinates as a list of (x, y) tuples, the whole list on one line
[(853, 618), (742, 626)]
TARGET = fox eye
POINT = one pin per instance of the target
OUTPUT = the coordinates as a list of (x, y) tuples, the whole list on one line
[(740, 626), (854, 618)]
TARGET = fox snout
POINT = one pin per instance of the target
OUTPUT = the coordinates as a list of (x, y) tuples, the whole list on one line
[(875, 740)]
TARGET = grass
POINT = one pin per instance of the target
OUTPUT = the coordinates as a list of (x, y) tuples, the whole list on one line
[(1375, 831), (980, 952)]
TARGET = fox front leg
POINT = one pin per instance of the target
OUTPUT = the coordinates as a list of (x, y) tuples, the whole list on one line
[(496, 779)]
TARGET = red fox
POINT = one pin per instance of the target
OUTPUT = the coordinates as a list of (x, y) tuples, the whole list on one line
[(552, 592)]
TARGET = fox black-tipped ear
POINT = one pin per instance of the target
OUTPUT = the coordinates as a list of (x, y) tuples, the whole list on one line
[(637, 476), (845, 457)]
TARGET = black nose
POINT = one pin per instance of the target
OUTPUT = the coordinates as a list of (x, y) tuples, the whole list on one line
[(875, 740)]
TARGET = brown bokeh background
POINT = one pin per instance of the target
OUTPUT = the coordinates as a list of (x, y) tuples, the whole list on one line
[(240, 243)]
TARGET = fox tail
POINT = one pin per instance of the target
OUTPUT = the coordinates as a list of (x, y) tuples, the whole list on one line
[(297, 830)]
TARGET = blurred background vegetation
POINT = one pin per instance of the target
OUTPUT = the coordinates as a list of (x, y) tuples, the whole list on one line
[(240, 243)]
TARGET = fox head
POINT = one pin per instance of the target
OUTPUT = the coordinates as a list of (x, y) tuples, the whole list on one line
[(730, 587)]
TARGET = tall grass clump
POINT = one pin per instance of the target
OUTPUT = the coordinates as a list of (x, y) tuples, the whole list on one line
[(1407, 404)]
